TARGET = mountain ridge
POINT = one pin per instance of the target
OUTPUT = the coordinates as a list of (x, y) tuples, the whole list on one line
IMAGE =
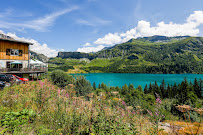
[(156, 54)]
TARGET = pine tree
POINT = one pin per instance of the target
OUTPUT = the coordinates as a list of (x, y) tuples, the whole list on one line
[(156, 89), (118, 89), (140, 88), (124, 89), (103, 86), (94, 86), (168, 95), (146, 90), (200, 92), (150, 87), (163, 89), (174, 90), (131, 88), (196, 87), (184, 91)]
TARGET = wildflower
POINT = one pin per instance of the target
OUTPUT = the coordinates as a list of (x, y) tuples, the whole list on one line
[(149, 112), (156, 113), (67, 95), (123, 102), (158, 101), (74, 102), (133, 112), (41, 84), (59, 91)]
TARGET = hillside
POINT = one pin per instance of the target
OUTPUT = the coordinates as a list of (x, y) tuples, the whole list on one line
[(152, 55), (40, 57), (156, 54)]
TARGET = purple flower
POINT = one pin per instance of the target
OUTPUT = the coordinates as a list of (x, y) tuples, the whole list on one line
[(158, 100), (156, 113), (123, 102)]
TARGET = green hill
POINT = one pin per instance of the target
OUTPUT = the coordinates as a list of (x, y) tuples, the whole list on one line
[(157, 54)]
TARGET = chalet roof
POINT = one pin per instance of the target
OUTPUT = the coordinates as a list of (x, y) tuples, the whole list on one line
[(8, 38)]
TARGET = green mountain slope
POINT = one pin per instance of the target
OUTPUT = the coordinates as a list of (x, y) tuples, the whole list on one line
[(40, 57), (157, 54)]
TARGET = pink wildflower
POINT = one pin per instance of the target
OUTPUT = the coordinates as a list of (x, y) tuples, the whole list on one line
[(74, 102), (156, 113), (123, 102), (59, 91), (41, 83), (158, 100), (150, 113), (67, 95)]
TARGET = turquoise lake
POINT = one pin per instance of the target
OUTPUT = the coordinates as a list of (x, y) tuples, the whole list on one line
[(119, 79)]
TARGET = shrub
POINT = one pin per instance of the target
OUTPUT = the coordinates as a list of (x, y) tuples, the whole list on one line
[(15, 120), (60, 78), (82, 86)]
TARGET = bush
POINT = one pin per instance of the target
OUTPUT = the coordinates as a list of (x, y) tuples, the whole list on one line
[(15, 120), (60, 78), (82, 86)]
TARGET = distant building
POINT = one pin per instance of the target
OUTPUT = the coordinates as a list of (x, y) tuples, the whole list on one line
[(15, 57)]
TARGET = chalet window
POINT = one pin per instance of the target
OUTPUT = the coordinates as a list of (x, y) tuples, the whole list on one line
[(8, 51), (17, 52), (14, 52), (20, 52)]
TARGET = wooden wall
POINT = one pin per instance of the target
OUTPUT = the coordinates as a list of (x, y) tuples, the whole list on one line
[(13, 45)]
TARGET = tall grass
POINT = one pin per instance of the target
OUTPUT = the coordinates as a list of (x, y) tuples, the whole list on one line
[(59, 111)]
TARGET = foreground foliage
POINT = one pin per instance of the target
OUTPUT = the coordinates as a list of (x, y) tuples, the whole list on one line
[(60, 111), (43, 108)]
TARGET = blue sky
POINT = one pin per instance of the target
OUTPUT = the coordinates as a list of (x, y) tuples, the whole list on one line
[(90, 25)]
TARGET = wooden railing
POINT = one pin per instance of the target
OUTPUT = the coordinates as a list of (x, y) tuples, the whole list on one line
[(21, 70)]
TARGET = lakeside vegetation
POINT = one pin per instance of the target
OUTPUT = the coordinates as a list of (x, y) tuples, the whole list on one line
[(61, 104)]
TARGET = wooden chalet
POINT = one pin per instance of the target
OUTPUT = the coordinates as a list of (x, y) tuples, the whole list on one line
[(15, 57)]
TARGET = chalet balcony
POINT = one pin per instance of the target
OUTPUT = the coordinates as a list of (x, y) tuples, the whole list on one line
[(23, 70)]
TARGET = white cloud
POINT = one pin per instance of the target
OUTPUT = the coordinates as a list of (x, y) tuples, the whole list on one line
[(94, 21), (144, 29), (6, 13), (90, 49), (109, 39), (87, 44), (36, 47), (39, 24), (197, 17)]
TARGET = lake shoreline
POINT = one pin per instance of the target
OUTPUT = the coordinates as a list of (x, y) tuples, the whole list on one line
[(119, 79)]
